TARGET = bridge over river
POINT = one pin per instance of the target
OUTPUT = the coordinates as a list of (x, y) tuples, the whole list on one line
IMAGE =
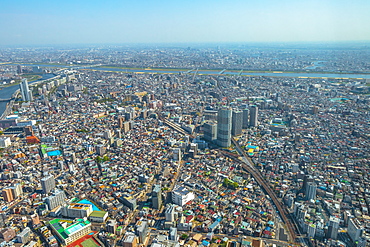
[(5, 100)]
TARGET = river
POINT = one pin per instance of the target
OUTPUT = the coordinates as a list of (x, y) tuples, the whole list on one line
[(315, 65), (226, 72), (267, 74), (7, 92)]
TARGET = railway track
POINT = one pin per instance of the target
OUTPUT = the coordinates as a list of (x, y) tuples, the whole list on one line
[(248, 166)]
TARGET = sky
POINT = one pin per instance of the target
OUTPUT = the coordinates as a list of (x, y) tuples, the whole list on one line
[(44, 22)]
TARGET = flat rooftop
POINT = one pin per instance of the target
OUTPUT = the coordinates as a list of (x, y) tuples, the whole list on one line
[(98, 214), (65, 232), (80, 206)]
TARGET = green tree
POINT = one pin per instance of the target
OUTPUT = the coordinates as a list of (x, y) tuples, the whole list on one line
[(184, 236), (99, 159)]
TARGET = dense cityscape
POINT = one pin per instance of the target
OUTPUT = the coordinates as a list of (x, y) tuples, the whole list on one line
[(226, 145)]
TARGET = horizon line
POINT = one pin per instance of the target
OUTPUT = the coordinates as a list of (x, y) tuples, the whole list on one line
[(190, 43)]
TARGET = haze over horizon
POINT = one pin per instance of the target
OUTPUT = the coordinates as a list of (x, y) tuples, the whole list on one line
[(85, 22)]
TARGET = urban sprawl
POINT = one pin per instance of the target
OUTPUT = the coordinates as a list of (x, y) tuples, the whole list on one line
[(95, 156)]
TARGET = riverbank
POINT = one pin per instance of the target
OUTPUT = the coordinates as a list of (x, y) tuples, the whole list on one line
[(314, 75), (7, 92), (229, 70), (178, 70), (30, 79)]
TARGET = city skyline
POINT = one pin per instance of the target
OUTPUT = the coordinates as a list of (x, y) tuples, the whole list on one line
[(122, 146), (94, 22)]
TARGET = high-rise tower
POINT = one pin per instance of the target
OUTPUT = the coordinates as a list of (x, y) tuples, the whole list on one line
[(311, 191), (245, 118), (210, 131), (224, 127), (333, 228), (25, 91), (237, 123), (157, 196), (253, 116), (47, 184)]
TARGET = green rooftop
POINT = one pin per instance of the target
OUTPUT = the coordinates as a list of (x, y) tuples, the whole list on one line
[(100, 214), (65, 232), (55, 223)]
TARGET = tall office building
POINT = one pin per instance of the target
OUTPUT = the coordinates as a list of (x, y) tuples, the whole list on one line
[(144, 114), (36, 69), (121, 120), (245, 118), (126, 127), (237, 123), (210, 115), (311, 191), (28, 130), (355, 229), (25, 91), (170, 213), (130, 240), (157, 196), (210, 131), (55, 200), (17, 190), (47, 184), (118, 133), (35, 218), (253, 121), (3, 220), (224, 127), (142, 230), (8, 195), (181, 195), (346, 217), (129, 116), (333, 228), (19, 69), (107, 134), (311, 230), (100, 149), (24, 236), (306, 179), (128, 201), (173, 234), (111, 226), (314, 109), (7, 234), (177, 154)]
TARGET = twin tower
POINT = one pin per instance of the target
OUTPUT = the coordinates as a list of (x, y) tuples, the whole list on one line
[(25, 91), (230, 123)]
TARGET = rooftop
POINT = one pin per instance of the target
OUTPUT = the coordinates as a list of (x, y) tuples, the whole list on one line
[(65, 232), (98, 214)]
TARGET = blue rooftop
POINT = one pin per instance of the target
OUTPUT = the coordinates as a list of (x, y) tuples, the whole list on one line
[(84, 201)]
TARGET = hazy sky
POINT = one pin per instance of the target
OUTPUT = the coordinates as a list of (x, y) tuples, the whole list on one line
[(30, 22)]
